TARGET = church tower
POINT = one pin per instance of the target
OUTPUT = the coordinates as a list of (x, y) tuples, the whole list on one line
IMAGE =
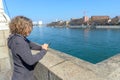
[(4, 19)]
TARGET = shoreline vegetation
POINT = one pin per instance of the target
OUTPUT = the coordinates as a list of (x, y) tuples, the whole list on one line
[(86, 22)]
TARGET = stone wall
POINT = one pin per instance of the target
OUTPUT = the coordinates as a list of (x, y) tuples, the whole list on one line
[(107, 27), (59, 66), (5, 67)]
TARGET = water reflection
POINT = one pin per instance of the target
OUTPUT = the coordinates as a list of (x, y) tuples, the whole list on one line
[(91, 45), (86, 34)]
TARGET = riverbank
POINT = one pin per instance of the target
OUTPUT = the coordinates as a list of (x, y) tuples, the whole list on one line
[(96, 27)]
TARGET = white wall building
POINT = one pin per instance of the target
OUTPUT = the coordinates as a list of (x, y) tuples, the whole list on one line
[(37, 23), (40, 22)]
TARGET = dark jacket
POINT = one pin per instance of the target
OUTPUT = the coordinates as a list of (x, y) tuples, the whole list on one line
[(23, 60)]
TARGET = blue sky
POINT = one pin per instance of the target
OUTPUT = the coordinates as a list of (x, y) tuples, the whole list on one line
[(50, 10)]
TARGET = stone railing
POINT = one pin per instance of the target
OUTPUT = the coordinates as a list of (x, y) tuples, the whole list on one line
[(56, 65)]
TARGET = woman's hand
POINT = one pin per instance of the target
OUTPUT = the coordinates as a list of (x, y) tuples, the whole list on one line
[(45, 46)]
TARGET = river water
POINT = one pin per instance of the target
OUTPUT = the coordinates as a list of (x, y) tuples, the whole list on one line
[(93, 45)]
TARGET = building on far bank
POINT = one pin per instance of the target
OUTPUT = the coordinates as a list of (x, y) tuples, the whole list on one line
[(76, 21), (59, 23), (40, 23), (99, 20), (115, 21), (79, 21), (37, 23), (85, 20)]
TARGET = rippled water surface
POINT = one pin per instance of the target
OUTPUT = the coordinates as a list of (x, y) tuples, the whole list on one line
[(91, 45)]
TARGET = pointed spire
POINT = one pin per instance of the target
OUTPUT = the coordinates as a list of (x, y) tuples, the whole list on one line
[(1, 6), (4, 18)]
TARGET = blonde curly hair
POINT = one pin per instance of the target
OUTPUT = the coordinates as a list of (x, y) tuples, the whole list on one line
[(21, 25)]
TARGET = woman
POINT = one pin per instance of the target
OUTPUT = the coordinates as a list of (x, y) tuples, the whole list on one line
[(23, 60)]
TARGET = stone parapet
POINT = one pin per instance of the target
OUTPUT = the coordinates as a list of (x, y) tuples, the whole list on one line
[(59, 66)]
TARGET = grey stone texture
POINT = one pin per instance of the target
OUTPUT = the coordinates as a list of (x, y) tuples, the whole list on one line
[(5, 67), (59, 66)]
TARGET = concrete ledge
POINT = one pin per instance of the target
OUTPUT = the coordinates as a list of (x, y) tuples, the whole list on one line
[(59, 66)]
